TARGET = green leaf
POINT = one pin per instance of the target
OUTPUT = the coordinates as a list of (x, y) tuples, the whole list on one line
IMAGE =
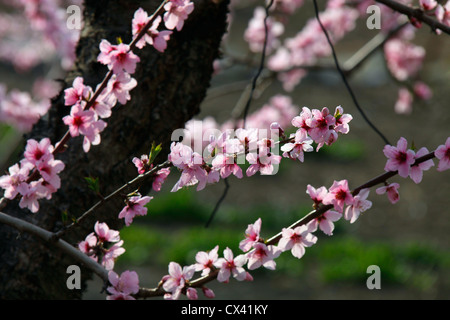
[(154, 152), (93, 184)]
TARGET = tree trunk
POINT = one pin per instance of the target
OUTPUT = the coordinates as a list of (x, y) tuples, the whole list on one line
[(171, 86)]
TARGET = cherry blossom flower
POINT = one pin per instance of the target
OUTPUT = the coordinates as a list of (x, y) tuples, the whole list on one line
[(142, 163), (428, 5), (208, 293), (251, 235), (342, 120), (317, 195), (263, 163), (191, 293), (302, 143), (339, 195), (255, 33), (392, 192), (403, 105), (263, 255), (118, 58), (360, 204), (49, 171), (123, 287), (206, 260), (296, 240), (110, 255), (416, 171), (422, 91), (230, 266), (176, 280), (443, 154), (325, 222), (38, 152), (77, 93), (320, 124), (10, 182), (176, 13), (226, 166), (404, 59), (399, 158), (159, 178), (88, 245), (30, 196), (135, 207), (120, 86), (105, 234)]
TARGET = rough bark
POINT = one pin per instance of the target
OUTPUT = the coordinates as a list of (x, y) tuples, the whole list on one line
[(170, 89)]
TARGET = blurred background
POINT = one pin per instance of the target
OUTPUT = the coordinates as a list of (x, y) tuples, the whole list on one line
[(409, 241)]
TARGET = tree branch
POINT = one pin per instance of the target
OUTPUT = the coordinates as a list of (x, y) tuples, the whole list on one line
[(417, 14)]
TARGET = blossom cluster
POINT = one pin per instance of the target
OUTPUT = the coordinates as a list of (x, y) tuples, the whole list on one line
[(225, 152), (104, 243), (89, 108), (38, 160)]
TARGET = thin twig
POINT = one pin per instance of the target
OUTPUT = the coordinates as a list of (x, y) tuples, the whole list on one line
[(261, 64), (104, 200), (219, 202), (344, 78)]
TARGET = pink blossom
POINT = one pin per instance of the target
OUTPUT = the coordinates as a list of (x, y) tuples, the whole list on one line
[(422, 91), (123, 287), (158, 38), (404, 101), (263, 163), (325, 222), (30, 196), (302, 143), (79, 121), (317, 195), (302, 121), (118, 58), (10, 182), (443, 154), (251, 236), (229, 265), (142, 163), (208, 293), (191, 293), (360, 204), (339, 194), (92, 136), (428, 5), (49, 171), (416, 171), (296, 240), (176, 280), (392, 192), (38, 152), (342, 120), (226, 166), (191, 164), (120, 86), (263, 255), (88, 245), (176, 13), (404, 59), (111, 254), (140, 19), (159, 178), (105, 234), (77, 93), (206, 260), (135, 207), (320, 124), (399, 158), (255, 33)]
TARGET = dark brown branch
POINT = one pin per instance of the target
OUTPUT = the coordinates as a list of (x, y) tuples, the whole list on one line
[(417, 14)]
